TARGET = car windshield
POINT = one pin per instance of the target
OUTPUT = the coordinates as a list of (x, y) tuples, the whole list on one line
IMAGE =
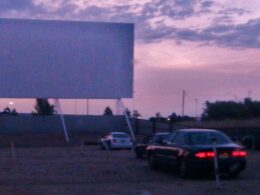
[(120, 135), (205, 138), (160, 137)]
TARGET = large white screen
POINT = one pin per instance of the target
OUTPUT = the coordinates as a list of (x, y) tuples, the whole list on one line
[(65, 59)]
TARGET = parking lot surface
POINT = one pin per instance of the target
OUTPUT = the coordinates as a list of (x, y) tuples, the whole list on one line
[(89, 170)]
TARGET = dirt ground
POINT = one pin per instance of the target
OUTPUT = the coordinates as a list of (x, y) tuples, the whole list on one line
[(88, 170)]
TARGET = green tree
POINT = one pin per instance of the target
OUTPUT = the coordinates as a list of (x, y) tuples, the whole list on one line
[(108, 112), (7, 110), (43, 107), (252, 108), (232, 110), (158, 116), (14, 112), (173, 117), (128, 112), (136, 114)]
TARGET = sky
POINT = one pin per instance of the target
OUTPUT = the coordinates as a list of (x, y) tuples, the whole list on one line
[(209, 48)]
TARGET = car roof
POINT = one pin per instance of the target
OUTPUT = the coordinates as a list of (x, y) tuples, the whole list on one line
[(162, 133), (118, 133), (196, 130)]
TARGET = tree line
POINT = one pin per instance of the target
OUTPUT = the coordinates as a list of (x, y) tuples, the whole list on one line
[(218, 110), (232, 110)]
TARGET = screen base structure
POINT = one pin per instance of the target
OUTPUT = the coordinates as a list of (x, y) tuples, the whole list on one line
[(127, 120), (58, 107), (120, 104)]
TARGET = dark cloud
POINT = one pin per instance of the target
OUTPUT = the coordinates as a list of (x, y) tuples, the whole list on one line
[(218, 29), (15, 4), (205, 7), (14, 8), (227, 15), (177, 9), (233, 11), (222, 34), (207, 4), (245, 35), (149, 35), (240, 36), (223, 19), (95, 13)]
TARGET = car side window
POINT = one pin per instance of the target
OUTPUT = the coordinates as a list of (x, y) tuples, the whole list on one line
[(147, 140), (170, 138), (179, 139)]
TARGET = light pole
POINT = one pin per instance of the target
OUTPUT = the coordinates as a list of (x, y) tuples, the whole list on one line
[(76, 106), (87, 106), (249, 94), (11, 104)]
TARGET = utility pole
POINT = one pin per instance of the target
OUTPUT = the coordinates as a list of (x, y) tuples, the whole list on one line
[(235, 97), (183, 102), (196, 108)]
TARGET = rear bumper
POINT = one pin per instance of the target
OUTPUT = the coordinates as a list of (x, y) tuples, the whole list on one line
[(121, 145), (225, 166)]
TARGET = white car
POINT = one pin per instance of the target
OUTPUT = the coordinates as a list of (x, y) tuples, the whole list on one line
[(114, 140)]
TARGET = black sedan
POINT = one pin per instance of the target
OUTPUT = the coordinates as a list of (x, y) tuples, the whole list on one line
[(140, 148), (191, 151)]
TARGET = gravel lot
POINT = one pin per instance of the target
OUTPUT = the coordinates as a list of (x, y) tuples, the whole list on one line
[(88, 170)]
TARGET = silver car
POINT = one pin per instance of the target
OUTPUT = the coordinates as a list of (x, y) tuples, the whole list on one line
[(116, 140)]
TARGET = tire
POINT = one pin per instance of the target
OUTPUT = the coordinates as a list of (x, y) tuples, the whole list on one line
[(152, 162), (105, 145), (183, 171), (138, 154), (109, 145), (102, 146)]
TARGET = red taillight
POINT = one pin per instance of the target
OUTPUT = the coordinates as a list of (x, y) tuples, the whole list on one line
[(205, 154), (239, 153)]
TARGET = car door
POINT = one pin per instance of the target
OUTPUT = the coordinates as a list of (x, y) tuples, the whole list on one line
[(175, 148), (142, 146), (162, 151)]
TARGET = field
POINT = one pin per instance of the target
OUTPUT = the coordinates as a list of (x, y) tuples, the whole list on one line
[(88, 170)]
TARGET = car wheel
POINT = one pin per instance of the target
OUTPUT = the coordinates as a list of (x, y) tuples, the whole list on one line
[(102, 146), (109, 145), (106, 145), (152, 162), (138, 154), (183, 171)]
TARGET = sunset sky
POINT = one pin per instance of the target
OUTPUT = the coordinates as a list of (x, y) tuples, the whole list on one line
[(209, 48)]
